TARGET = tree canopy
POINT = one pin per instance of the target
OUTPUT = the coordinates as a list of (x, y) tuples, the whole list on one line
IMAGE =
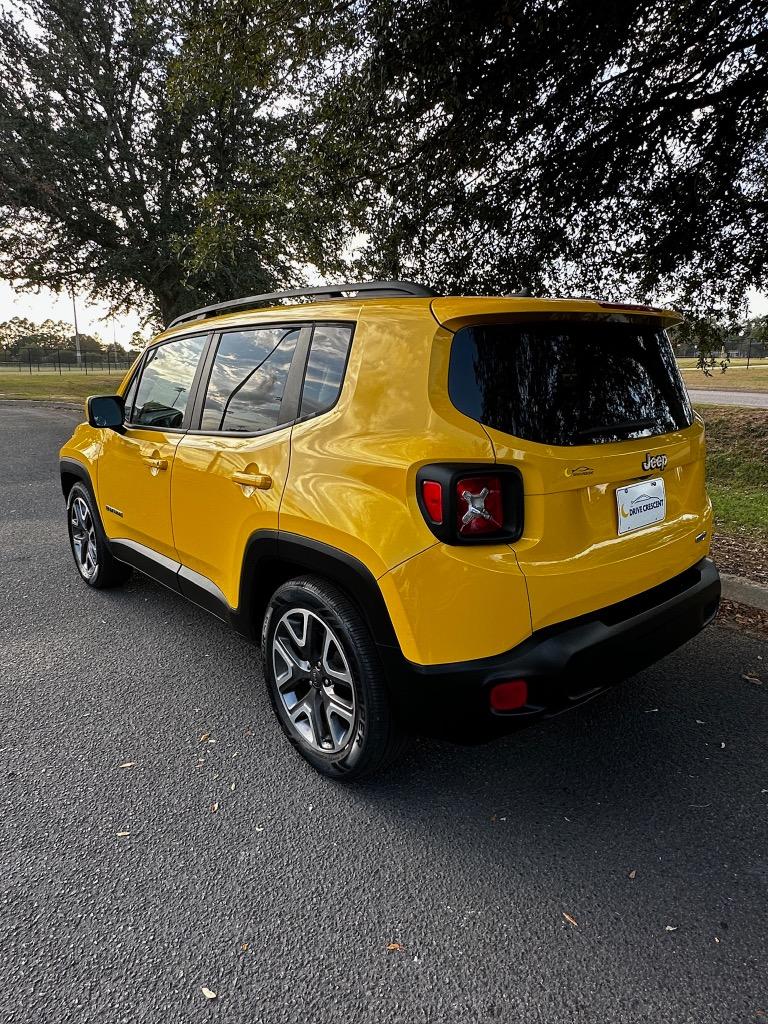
[(145, 194), (180, 155), (562, 146)]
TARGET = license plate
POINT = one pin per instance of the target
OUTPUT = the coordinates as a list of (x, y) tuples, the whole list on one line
[(641, 505)]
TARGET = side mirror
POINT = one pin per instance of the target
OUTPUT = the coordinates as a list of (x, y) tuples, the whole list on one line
[(105, 411)]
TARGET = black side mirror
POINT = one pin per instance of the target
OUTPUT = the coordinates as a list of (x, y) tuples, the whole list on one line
[(105, 411)]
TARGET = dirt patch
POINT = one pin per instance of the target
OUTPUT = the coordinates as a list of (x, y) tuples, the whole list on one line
[(746, 620), (742, 554)]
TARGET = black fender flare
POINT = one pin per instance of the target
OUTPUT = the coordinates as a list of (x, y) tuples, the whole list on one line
[(273, 556)]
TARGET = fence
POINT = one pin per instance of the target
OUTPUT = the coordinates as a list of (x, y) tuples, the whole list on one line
[(65, 361)]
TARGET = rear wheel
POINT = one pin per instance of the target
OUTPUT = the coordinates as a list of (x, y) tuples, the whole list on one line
[(326, 682), (90, 548)]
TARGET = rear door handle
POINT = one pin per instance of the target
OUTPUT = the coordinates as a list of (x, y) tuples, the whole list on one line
[(253, 481)]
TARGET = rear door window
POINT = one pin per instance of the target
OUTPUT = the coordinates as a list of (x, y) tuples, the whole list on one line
[(248, 379), (569, 383), (166, 379)]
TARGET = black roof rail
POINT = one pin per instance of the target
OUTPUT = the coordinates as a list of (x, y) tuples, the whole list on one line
[(390, 289)]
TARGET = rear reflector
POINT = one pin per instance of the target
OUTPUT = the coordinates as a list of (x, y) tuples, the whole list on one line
[(432, 493), (510, 695)]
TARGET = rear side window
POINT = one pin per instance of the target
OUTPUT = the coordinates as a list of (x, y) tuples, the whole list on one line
[(325, 368), (248, 379), (166, 379), (566, 383)]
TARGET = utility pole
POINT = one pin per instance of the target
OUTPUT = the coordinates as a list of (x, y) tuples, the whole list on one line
[(77, 333)]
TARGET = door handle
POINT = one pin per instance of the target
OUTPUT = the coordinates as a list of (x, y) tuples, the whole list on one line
[(253, 481), (155, 464)]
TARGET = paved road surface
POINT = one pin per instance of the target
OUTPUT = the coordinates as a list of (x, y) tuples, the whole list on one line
[(746, 399), (469, 858)]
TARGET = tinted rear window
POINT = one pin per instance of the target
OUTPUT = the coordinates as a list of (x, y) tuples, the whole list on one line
[(569, 383)]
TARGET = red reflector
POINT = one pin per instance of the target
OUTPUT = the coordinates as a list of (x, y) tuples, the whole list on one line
[(479, 506), (432, 493), (509, 696)]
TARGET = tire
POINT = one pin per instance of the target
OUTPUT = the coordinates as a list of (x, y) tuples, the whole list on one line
[(326, 682), (90, 547)]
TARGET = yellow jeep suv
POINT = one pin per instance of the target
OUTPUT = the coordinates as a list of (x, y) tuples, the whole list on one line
[(441, 514)]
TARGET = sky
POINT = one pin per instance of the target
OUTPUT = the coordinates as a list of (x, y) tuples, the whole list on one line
[(47, 306), (91, 317)]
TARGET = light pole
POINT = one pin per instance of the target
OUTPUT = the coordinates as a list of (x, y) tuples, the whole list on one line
[(77, 333)]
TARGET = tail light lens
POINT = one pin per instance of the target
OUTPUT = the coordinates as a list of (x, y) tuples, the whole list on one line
[(479, 506), (466, 504), (432, 494)]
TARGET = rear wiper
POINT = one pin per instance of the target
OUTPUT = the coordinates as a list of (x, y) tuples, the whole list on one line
[(614, 428)]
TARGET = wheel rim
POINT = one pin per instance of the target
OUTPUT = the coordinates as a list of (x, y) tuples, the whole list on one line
[(83, 538), (314, 681)]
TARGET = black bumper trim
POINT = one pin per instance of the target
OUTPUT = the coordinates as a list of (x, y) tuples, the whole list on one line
[(565, 665)]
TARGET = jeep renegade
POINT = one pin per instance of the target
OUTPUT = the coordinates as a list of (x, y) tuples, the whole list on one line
[(440, 514)]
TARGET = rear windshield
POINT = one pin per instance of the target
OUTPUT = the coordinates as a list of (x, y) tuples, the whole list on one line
[(569, 383)]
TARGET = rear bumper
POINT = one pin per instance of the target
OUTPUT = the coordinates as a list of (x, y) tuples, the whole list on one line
[(565, 665)]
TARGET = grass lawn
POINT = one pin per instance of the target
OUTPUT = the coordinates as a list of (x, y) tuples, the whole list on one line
[(689, 362), (737, 468), (69, 387), (735, 378)]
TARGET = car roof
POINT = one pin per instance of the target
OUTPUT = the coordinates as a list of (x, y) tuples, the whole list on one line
[(451, 311)]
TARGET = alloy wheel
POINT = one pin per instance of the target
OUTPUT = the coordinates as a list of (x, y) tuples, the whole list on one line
[(314, 680), (83, 538)]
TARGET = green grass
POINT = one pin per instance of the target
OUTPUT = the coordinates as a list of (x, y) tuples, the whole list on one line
[(735, 378), (737, 467), (689, 362), (69, 387)]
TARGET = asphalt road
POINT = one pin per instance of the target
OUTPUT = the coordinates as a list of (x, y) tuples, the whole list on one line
[(642, 816), (746, 399)]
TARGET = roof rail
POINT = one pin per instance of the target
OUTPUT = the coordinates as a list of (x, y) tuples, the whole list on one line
[(329, 291)]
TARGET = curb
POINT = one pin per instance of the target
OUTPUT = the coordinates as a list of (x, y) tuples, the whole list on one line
[(755, 595)]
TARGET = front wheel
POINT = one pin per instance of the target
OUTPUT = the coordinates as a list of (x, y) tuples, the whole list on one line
[(326, 682), (90, 548)]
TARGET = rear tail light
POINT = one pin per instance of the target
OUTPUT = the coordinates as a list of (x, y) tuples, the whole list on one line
[(509, 696), (479, 506), (464, 504)]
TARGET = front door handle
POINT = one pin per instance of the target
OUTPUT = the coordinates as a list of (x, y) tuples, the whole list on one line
[(156, 464), (251, 482)]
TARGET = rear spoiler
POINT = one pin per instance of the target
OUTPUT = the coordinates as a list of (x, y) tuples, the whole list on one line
[(458, 311)]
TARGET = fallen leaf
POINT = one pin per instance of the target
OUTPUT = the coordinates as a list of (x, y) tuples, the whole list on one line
[(208, 993), (203, 737), (570, 920), (671, 928), (122, 835), (752, 679), (244, 947), (128, 764), (633, 873), (214, 808), (395, 947)]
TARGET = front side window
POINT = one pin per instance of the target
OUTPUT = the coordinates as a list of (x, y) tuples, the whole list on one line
[(325, 368), (166, 379), (569, 383), (248, 379)]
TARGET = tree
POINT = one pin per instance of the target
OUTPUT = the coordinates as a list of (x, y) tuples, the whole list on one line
[(619, 149), (141, 192)]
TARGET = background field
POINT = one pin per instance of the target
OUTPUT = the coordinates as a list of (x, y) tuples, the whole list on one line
[(737, 468), (69, 387), (735, 378)]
